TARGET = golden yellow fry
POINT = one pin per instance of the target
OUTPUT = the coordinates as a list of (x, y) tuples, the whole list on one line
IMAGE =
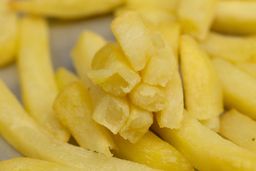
[(206, 150), (66, 9), (38, 85), (152, 151), (236, 17), (65, 77), (239, 128), (203, 95), (249, 68), (29, 164), (137, 125), (150, 98), (111, 71), (8, 34), (172, 115), (30, 139), (134, 38), (213, 123), (196, 16), (239, 87), (233, 48)]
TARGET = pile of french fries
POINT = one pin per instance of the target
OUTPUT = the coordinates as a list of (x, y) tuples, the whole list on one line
[(175, 91)]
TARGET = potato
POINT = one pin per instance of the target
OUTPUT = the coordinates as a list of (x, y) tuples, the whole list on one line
[(137, 125), (213, 123), (249, 68), (206, 150), (196, 16), (134, 38), (233, 48), (172, 115), (111, 71), (112, 112), (239, 128), (65, 77), (32, 140), (74, 109), (29, 164), (236, 17), (239, 88), (152, 151), (66, 9), (203, 95), (150, 98), (38, 85), (8, 35)]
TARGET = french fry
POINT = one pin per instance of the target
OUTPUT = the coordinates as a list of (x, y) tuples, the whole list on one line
[(233, 48), (111, 71), (8, 34), (152, 151), (249, 68), (32, 140), (137, 125), (134, 38), (38, 85), (150, 98), (239, 128), (66, 9), (196, 16), (213, 123), (205, 149), (64, 77), (79, 120), (203, 95), (29, 164), (235, 17), (239, 88), (172, 115)]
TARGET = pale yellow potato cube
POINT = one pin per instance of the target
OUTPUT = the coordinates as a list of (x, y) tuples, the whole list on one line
[(172, 115), (202, 88), (239, 88), (38, 84), (196, 16), (112, 112), (134, 38), (239, 128), (249, 68), (137, 125), (212, 123), (66, 9), (206, 150), (236, 17), (152, 151), (150, 98), (64, 77), (74, 109), (233, 48)]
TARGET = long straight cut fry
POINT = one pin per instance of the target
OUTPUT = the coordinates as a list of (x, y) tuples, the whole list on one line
[(38, 85)]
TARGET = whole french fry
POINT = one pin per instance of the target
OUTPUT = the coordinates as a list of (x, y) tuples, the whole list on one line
[(213, 123), (38, 85), (249, 68), (29, 138)]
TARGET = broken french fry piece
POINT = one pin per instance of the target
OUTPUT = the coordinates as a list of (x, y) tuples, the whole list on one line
[(196, 16), (205, 149), (239, 128), (232, 48), (137, 125), (172, 115), (111, 112), (38, 85), (203, 93), (32, 140), (150, 98), (134, 38), (152, 151), (235, 17), (249, 68), (66, 9), (79, 120), (65, 77), (239, 88)]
